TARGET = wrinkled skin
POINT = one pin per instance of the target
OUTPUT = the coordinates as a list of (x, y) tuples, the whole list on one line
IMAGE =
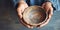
[(47, 6)]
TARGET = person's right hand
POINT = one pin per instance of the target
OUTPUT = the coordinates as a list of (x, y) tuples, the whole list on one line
[(22, 5)]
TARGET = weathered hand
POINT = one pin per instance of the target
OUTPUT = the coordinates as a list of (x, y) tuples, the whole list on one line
[(49, 9), (22, 5)]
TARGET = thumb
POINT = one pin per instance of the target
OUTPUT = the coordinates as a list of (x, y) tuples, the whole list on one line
[(43, 5)]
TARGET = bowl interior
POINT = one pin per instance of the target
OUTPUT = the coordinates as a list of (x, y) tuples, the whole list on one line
[(34, 15)]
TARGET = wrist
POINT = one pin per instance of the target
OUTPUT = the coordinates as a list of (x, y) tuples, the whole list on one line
[(49, 3)]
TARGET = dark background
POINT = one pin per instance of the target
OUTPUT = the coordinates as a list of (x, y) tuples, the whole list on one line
[(9, 19)]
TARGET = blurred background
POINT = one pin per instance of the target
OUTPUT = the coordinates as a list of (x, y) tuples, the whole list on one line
[(9, 19)]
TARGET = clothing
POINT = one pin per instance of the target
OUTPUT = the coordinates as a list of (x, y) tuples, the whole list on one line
[(56, 3)]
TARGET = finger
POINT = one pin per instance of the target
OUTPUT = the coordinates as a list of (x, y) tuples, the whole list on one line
[(43, 5), (25, 24), (45, 23), (51, 8)]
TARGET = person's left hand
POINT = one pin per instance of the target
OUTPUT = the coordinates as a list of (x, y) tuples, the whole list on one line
[(49, 9)]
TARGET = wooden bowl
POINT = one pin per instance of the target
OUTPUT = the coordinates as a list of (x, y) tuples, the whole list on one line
[(34, 15)]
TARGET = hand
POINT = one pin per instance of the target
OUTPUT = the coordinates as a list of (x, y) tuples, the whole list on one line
[(22, 5), (49, 9)]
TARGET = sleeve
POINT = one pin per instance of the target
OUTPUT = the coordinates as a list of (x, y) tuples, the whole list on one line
[(15, 2), (56, 4)]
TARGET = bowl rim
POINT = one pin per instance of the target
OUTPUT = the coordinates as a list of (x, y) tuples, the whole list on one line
[(37, 23)]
